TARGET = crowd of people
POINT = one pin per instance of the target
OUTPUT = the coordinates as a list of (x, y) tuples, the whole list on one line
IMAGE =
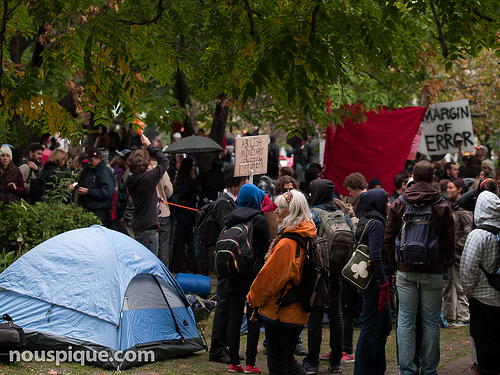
[(154, 198)]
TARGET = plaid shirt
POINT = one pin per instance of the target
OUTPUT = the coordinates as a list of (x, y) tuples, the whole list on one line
[(482, 247)]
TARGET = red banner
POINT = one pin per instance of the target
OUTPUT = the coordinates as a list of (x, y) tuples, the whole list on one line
[(377, 147)]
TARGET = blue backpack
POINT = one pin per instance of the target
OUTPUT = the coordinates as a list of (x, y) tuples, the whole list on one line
[(417, 243)]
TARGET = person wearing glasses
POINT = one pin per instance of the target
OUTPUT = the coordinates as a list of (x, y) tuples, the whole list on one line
[(283, 325)]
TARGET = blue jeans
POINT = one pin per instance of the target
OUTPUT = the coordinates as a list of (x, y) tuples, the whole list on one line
[(149, 238), (370, 350), (424, 292)]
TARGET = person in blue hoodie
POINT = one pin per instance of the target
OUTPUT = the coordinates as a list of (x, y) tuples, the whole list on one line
[(377, 322), (250, 198)]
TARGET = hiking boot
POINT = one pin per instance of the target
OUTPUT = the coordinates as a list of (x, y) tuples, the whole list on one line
[(221, 358), (299, 350), (252, 370), (310, 369), (347, 358), (326, 356), (336, 368), (235, 368)]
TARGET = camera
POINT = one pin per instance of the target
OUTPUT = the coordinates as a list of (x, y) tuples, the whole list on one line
[(459, 142)]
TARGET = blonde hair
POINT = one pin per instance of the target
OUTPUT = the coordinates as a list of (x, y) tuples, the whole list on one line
[(298, 209), (59, 157)]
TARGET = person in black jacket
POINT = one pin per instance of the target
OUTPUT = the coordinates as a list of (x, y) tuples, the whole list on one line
[(54, 171), (141, 186), (96, 194), (250, 199), (377, 321), (224, 205)]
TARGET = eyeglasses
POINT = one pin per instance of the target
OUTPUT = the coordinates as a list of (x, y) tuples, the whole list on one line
[(287, 190)]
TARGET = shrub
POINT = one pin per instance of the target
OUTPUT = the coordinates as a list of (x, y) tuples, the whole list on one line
[(25, 226)]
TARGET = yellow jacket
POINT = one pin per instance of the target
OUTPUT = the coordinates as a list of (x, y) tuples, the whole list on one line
[(281, 267)]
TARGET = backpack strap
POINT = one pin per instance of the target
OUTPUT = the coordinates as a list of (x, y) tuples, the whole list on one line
[(301, 241), (364, 230), (408, 203)]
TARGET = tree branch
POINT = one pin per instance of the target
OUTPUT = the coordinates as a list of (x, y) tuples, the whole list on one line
[(313, 17), (161, 8), (480, 15), (440, 32), (250, 17)]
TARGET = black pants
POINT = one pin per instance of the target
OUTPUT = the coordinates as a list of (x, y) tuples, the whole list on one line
[(221, 319), (281, 342), (315, 326), (237, 308), (485, 329)]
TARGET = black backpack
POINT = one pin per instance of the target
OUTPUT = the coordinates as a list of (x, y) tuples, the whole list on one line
[(313, 290), (417, 243), (493, 277), (206, 226), (234, 255)]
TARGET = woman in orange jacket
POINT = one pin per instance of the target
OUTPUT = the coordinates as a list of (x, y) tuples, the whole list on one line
[(283, 324)]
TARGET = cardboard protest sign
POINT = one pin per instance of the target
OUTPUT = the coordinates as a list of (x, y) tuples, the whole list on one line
[(443, 124), (250, 154)]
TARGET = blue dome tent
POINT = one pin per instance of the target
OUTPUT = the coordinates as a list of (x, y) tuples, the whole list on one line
[(98, 290)]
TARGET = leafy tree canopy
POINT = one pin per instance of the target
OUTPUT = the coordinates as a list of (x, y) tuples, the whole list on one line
[(62, 58)]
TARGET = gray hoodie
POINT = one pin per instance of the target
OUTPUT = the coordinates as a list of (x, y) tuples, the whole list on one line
[(482, 247)]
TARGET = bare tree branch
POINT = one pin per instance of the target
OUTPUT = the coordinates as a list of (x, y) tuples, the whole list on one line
[(440, 32)]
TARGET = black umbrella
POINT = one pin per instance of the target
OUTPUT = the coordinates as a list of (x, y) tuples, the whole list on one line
[(193, 144)]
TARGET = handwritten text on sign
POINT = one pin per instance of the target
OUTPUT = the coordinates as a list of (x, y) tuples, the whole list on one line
[(250, 154), (443, 124)]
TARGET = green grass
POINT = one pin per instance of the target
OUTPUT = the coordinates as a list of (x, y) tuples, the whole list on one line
[(454, 345)]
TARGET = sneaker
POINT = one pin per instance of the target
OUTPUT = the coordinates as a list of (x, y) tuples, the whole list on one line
[(326, 356), (252, 370), (336, 368), (299, 350), (310, 369), (460, 323), (235, 368), (347, 358)]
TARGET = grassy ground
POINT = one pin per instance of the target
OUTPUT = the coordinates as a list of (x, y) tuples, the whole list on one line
[(454, 345)]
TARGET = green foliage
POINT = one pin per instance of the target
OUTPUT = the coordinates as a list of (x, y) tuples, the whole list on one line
[(25, 226), (295, 54)]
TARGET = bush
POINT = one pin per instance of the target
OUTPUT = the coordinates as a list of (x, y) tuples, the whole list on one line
[(25, 226)]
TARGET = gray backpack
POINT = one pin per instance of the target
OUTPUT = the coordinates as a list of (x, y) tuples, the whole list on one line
[(340, 237)]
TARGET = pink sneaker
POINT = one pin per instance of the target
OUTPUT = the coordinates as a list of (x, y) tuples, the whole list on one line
[(235, 368), (346, 358), (252, 370), (326, 356)]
